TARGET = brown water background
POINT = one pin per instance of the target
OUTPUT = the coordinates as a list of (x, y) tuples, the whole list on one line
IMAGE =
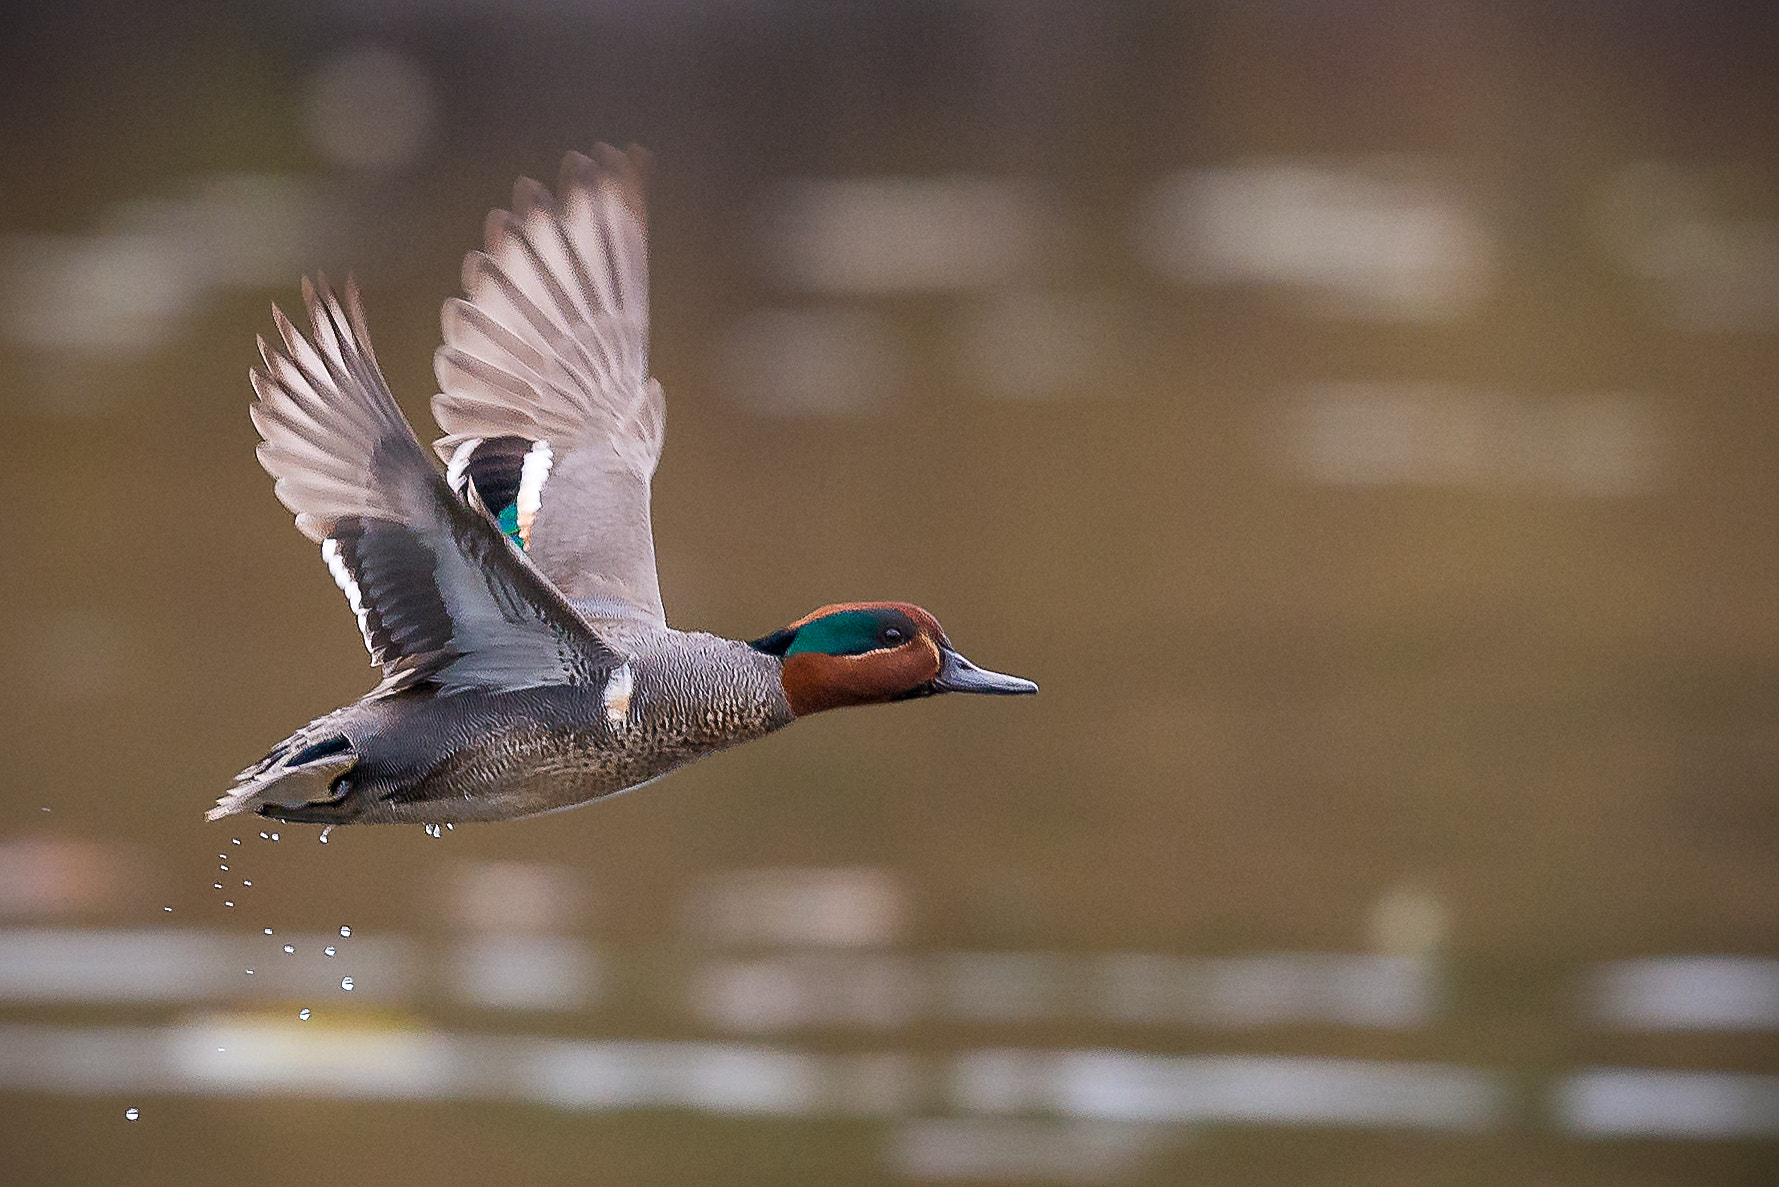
[(1359, 418)]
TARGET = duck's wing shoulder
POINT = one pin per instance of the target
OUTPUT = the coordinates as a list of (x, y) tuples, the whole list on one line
[(440, 596), (552, 424)]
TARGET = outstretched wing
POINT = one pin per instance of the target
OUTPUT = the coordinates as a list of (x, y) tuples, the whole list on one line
[(439, 595), (552, 423)]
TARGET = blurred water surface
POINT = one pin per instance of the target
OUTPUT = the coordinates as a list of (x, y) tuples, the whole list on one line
[(1358, 418)]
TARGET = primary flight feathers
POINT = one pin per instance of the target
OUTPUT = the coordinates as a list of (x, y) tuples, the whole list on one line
[(552, 346)]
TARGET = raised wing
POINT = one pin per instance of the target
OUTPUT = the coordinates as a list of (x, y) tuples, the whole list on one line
[(439, 595), (552, 423)]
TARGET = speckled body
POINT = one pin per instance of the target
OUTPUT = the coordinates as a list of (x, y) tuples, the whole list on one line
[(434, 760)]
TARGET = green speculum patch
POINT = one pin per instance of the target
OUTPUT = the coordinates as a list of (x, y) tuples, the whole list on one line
[(509, 523)]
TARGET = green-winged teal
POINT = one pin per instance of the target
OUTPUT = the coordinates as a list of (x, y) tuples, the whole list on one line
[(511, 601)]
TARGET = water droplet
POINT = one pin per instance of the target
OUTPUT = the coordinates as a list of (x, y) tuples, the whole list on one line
[(329, 950), (245, 882), (226, 903), (274, 836), (234, 840), (346, 984), (167, 909), (344, 930), (218, 885), (267, 930), (265, 836), (223, 868), (250, 972), (326, 829), (290, 949), (303, 1014), (129, 1114), (433, 830), (451, 828)]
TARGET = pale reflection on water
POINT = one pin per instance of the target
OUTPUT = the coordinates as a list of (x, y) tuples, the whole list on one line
[(249, 1056)]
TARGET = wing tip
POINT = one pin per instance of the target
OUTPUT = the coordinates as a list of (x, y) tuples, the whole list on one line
[(623, 172), (530, 197), (328, 314), (361, 330)]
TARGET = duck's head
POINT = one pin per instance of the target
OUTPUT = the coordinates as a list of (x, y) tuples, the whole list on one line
[(868, 653)]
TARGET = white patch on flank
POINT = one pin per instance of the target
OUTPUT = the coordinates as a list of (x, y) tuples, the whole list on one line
[(618, 687), (536, 468), (459, 467), (336, 564)]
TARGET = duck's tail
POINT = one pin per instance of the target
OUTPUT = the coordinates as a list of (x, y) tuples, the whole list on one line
[(301, 772)]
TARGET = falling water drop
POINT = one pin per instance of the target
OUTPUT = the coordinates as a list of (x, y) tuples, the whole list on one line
[(344, 930), (267, 930), (169, 910), (303, 1014), (245, 882), (132, 1114), (274, 836), (234, 840), (223, 868), (346, 984), (329, 950), (265, 836), (218, 885), (433, 830), (326, 829), (290, 949), (227, 903)]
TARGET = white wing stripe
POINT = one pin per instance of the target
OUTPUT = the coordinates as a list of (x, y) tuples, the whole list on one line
[(460, 464), (330, 552), (533, 471)]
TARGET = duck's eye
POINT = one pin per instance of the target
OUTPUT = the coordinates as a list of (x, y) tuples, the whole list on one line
[(892, 635)]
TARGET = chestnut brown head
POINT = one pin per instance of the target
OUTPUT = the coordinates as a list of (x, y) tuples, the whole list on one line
[(869, 653)]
